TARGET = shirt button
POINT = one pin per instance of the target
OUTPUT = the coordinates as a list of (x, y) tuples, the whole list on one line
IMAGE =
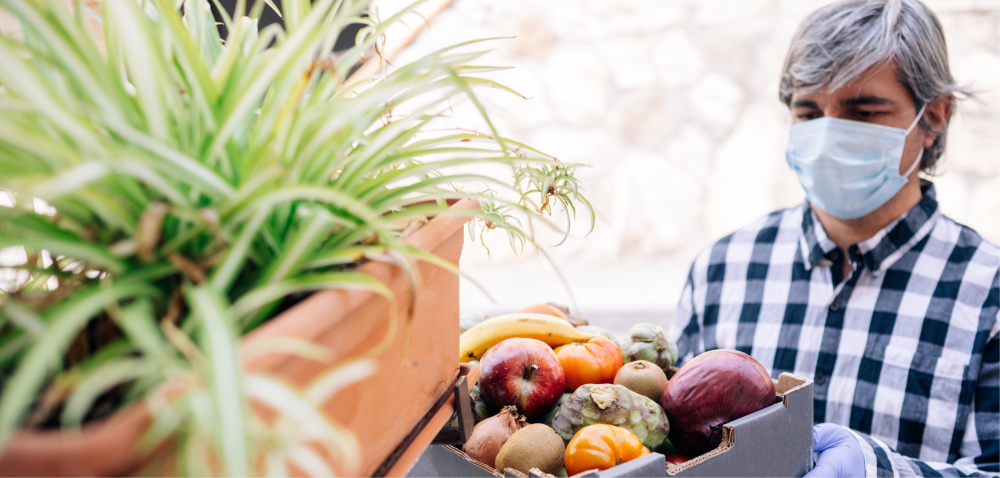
[(834, 256), (834, 306), (820, 379)]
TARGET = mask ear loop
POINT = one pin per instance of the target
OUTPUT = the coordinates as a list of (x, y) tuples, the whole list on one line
[(920, 114), (920, 154), (913, 166)]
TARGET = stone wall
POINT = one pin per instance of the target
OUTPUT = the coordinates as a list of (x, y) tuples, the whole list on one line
[(674, 106)]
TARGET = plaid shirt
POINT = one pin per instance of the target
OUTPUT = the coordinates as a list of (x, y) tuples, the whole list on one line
[(903, 351)]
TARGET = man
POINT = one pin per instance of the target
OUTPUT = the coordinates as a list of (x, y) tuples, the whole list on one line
[(890, 307)]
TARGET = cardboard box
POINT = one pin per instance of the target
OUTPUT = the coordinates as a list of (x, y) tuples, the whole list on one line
[(448, 461), (775, 441)]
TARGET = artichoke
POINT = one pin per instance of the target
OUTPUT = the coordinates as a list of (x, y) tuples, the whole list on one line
[(613, 405), (547, 419), (480, 411), (647, 342), (593, 329), (479, 407)]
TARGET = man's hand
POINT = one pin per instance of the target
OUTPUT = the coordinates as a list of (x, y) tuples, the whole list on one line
[(840, 453)]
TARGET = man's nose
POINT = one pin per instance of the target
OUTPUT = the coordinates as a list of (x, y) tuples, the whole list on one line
[(833, 111)]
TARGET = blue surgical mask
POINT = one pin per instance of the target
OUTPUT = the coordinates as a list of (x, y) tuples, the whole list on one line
[(848, 168)]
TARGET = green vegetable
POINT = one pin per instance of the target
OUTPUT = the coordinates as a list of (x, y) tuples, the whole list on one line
[(647, 342), (668, 448), (480, 410), (479, 407), (593, 329), (612, 405), (549, 416)]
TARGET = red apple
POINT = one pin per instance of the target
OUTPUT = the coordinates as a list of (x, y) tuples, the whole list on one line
[(522, 372)]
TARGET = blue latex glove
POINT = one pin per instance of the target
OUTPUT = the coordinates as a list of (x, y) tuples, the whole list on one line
[(839, 452)]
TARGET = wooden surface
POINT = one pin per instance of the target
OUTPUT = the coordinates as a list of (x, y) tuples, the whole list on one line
[(382, 409), (422, 441), (105, 448)]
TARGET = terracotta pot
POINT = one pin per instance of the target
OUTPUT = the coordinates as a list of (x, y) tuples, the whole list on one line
[(420, 442), (380, 410)]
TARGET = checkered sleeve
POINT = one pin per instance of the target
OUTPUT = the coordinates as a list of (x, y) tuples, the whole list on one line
[(685, 330), (981, 442)]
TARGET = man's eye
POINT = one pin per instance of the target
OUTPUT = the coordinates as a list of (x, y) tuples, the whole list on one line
[(807, 116), (869, 114)]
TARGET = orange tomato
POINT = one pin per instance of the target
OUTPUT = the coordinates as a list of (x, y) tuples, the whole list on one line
[(601, 447), (596, 361), (545, 309)]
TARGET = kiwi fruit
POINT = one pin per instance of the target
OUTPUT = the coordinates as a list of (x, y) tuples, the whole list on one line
[(534, 446), (644, 378)]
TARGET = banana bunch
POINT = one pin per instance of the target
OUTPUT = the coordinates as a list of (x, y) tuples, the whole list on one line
[(551, 330)]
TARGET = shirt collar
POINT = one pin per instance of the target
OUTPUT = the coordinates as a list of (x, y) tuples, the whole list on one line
[(886, 246), (816, 244)]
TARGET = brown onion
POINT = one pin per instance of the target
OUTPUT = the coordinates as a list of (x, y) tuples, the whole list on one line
[(490, 434)]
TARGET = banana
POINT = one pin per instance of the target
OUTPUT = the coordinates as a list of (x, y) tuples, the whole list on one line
[(551, 330)]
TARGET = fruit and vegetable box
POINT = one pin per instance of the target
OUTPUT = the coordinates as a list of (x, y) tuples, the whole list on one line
[(774, 441), (556, 398)]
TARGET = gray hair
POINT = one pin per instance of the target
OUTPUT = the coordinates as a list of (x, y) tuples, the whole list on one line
[(839, 42)]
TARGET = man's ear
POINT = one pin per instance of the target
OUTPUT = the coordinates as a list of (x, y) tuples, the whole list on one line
[(936, 117)]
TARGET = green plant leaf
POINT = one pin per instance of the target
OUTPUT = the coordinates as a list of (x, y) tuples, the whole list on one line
[(260, 296), (287, 345), (63, 322), (325, 386), (295, 408), (139, 325), (97, 382), (271, 176), (217, 329), (87, 252)]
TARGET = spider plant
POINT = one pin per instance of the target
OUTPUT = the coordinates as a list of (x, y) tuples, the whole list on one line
[(553, 183), (495, 216), (195, 183)]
